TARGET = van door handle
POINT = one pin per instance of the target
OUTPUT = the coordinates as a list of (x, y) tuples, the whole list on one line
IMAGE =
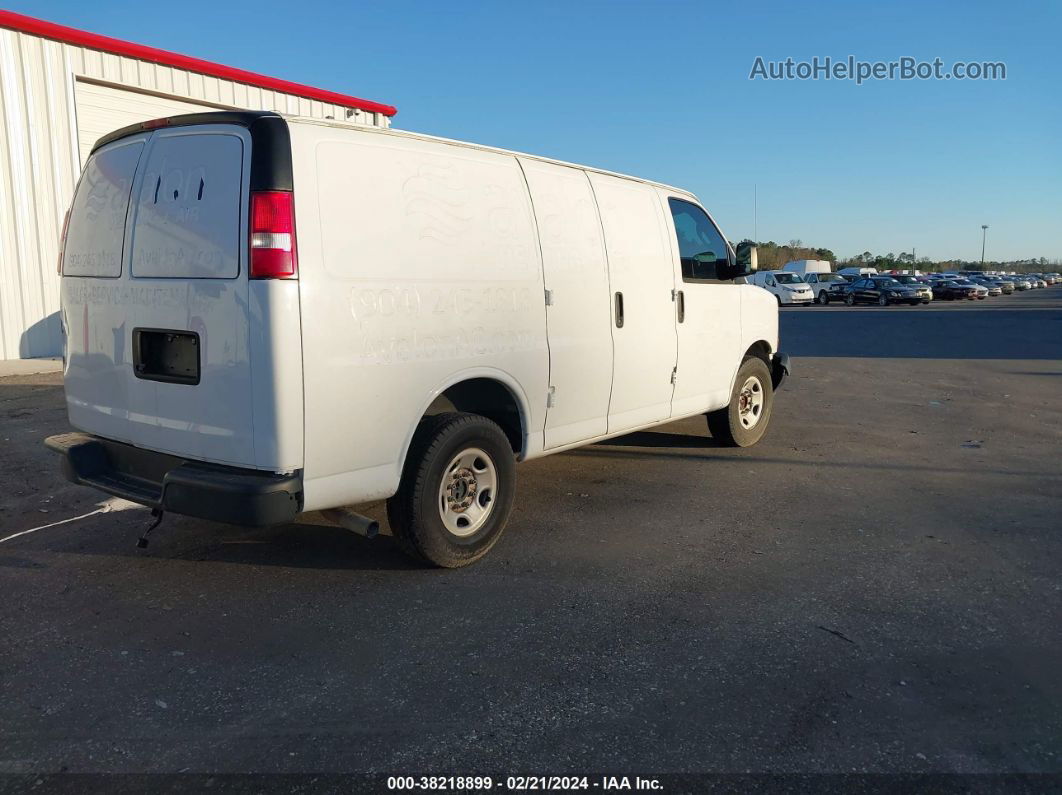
[(681, 301), (619, 310)]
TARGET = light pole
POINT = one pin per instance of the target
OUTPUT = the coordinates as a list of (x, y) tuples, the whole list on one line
[(984, 233)]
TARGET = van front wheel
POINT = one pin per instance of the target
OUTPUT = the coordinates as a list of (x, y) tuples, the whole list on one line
[(744, 421), (456, 491)]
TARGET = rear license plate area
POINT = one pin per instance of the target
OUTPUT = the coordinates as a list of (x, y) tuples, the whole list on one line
[(165, 355)]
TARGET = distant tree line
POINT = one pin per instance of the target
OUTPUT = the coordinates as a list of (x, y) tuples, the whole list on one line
[(907, 260), (773, 255)]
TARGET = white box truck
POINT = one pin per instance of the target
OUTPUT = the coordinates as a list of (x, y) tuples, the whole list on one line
[(268, 315), (806, 266)]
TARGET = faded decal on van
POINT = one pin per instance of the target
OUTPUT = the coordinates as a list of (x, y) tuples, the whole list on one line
[(368, 304), (96, 232), (454, 343), (423, 211)]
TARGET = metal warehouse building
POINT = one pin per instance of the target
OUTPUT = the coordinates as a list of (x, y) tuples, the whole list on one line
[(60, 90)]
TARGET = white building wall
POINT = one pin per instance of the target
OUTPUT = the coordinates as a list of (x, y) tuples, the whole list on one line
[(40, 160)]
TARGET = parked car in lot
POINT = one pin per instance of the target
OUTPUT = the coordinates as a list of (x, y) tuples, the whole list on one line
[(989, 284), (826, 286), (269, 315), (1005, 287), (981, 290), (925, 292), (950, 290), (1037, 281), (787, 288), (1020, 282), (881, 290)]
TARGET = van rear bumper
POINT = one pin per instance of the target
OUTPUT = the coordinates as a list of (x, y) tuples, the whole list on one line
[(171, 483)]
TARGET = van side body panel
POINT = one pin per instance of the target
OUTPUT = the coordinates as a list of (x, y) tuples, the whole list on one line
[(579, 314), (641, 272), (275, 344), (418, 260)]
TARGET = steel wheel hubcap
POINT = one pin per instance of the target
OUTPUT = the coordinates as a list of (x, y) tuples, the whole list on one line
[(466, 494), (750, 402)]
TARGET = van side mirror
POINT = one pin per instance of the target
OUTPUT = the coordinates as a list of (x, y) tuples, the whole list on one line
[(747, 260)]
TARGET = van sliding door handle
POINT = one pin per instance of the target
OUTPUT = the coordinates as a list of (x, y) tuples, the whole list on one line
[(619, 310), (681, 305)]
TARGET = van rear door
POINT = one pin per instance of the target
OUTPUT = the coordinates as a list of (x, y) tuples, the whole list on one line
[(155, 294)]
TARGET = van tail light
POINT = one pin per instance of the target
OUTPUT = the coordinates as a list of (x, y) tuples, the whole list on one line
[(62, 244), (273, 254)]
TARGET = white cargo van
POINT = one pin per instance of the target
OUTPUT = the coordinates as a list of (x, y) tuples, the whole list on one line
[(268, 315)]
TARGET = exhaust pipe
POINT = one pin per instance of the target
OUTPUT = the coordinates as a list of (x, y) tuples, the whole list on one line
[(355, 522)]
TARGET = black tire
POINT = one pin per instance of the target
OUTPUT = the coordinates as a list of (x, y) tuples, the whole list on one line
[(725, 424), (883, 300), (824, 298), (914, 303), (849, 300), (415, 513)]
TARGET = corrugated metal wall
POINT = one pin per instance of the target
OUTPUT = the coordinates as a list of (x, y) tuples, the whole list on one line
[(40, 159)]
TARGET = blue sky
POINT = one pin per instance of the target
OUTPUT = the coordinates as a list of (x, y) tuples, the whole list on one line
[(662, 90)]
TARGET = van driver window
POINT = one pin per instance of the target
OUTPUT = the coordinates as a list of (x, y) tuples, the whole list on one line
[(702, 249)]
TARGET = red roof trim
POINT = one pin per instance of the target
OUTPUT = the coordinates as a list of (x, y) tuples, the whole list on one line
[(81, 38)]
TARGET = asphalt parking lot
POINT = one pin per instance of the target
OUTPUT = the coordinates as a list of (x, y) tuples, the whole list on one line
[(876, 587)]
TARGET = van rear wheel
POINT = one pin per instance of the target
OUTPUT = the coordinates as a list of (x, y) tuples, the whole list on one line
[(744, 421), (456, 491)]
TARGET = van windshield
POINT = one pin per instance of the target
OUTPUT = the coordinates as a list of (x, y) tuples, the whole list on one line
[(788, 278)]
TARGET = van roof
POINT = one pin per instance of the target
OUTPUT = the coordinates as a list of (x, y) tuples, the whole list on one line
[(498, 150), (246, 118)]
